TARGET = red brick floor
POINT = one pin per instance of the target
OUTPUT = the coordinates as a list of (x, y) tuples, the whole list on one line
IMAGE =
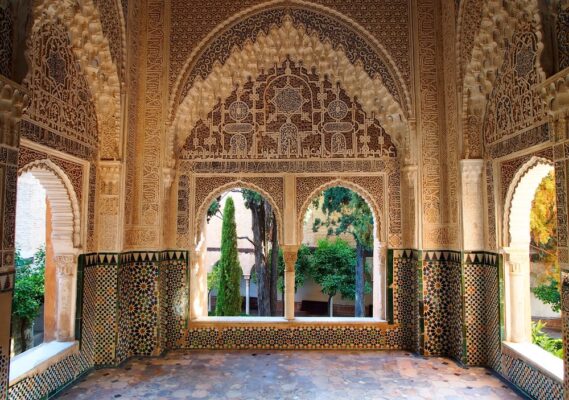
[(311, 375)]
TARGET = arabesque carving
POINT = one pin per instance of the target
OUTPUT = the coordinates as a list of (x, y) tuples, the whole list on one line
[(498, 23), (92, 50), (288, 41), (288, 113)]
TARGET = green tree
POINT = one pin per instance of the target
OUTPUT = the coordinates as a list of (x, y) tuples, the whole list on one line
[(543, 233), (28, 297), (213, 279), (264, 227), (347, 212), (333, 267), (228, 295)]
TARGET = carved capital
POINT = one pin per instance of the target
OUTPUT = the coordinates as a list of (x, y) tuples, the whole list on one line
[(65, 265), (109, 173), (410, 174), (168, 174), (13, 101), (471, 171), (290, 254)]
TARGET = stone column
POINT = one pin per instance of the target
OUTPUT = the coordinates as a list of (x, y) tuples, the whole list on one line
[(472, 204), (65, 266), (13, 100), (290, 253), (410, 207), (109, 224), (378, 277), (247, 290), (519, 308)]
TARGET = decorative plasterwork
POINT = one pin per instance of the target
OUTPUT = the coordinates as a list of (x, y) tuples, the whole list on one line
[(65, 208), (498, 23), (555, 92), (92, 50), (13, 100), (296, 43)]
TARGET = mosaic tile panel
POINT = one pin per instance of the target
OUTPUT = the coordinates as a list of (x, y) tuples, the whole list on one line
[(493, 306), (442, 305), (481, 308), (138, 305), (174, 294), (101, 275), (50, 381), (305, 337), (565, 326), (4, 362), (405, 304), (532, 382)]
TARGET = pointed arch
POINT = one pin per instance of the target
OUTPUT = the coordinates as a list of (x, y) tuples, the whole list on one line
[(65, 209), (238, 183), (379, 225), (383, 95), (93, 52), (518, 201)]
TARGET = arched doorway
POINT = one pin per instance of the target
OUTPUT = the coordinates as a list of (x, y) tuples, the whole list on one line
[(517, 239), (54, 225)]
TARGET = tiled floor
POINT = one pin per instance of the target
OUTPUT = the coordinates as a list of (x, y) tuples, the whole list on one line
[(309, 375)]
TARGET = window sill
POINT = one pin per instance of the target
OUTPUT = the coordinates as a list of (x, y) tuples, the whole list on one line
[(538, 358), (39, 358), (263, 321)]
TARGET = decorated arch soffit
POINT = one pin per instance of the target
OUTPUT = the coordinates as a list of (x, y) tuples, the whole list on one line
[(499, 45), (310, 44), (101, 60)]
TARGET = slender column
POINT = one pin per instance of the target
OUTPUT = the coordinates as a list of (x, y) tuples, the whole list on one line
[(472, 204), (65, 271), (109, 206), (410, 207), (247, 291), (290, 253), (519, 311)]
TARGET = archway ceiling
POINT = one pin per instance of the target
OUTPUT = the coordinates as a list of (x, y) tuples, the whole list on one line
[(93, 51), (297, 42)]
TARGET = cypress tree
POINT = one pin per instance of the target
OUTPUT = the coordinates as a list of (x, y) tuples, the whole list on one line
[(228, 294)]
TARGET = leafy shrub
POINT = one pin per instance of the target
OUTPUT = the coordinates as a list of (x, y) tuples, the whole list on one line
[(543, 340)]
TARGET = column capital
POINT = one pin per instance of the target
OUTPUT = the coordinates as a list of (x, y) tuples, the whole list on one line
[(471, 170), (13, 101), (65, 264), (290, 254), (109, 172)]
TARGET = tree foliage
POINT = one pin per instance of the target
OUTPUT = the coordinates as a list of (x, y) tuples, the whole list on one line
[(229, 296), (543, 233), (29, 286), (333, 268), (214, 277), (348, 213)]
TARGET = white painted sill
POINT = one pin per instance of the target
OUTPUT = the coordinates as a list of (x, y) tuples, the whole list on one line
[(538, 358), (39, 358), (284, 321)]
